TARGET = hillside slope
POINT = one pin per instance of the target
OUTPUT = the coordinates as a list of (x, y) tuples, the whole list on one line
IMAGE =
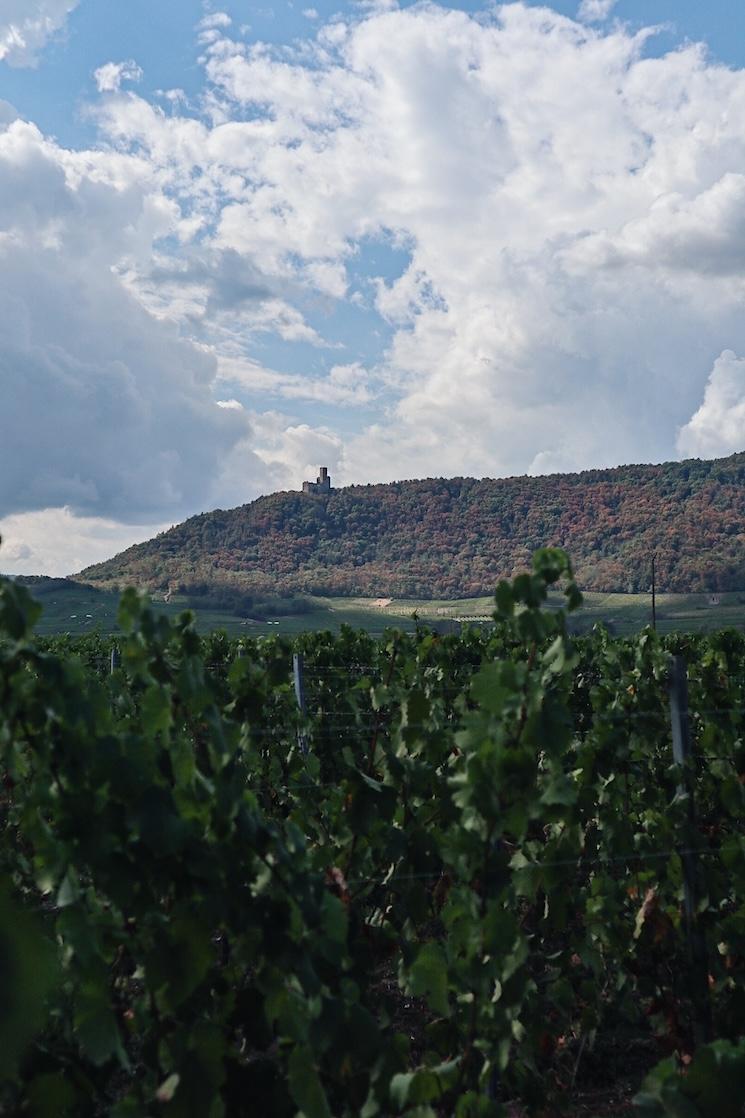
[(445, 538)]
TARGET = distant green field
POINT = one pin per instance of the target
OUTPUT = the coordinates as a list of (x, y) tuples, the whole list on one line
[(77, 610), (627, 613), (622, 613)]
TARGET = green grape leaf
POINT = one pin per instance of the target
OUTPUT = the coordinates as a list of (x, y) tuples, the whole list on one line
[(428, 977), (305, 1085)]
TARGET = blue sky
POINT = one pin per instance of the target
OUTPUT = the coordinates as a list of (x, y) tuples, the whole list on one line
[(239, 240)]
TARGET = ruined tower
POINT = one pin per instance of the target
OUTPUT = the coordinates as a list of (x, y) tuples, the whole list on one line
[(322, 484)]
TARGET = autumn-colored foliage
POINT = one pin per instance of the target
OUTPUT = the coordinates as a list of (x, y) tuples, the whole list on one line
[(449, 538)]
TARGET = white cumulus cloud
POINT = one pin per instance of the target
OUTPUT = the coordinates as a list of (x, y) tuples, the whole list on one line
[(718, 426), (110, 76), (216, 19), (292, 452), (595, 10), (27, 25), (57, 542)]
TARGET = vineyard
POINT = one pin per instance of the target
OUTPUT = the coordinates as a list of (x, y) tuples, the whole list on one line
[(425, 875)]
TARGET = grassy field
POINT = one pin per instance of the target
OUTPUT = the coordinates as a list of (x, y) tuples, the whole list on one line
[(72, 608), (622, 613), (627, 613)]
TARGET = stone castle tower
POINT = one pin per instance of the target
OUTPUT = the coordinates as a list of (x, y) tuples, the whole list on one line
[(322, 484)]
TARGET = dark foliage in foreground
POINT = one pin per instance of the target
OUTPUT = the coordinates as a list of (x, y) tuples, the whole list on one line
[(440, 890)]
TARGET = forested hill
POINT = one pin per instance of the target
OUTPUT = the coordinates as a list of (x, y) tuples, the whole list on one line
[(444, 538)]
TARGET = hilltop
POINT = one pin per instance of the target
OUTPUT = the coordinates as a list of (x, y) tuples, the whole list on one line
[(449, 538)]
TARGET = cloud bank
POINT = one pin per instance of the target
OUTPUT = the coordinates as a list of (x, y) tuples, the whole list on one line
[(576, 262), (107, 409)]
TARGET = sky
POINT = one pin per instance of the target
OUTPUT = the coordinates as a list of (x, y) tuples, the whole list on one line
[(241, 240)]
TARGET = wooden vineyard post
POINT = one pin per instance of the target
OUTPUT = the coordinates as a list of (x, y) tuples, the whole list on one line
[(696, 943), (299, 677), (654, 592)]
